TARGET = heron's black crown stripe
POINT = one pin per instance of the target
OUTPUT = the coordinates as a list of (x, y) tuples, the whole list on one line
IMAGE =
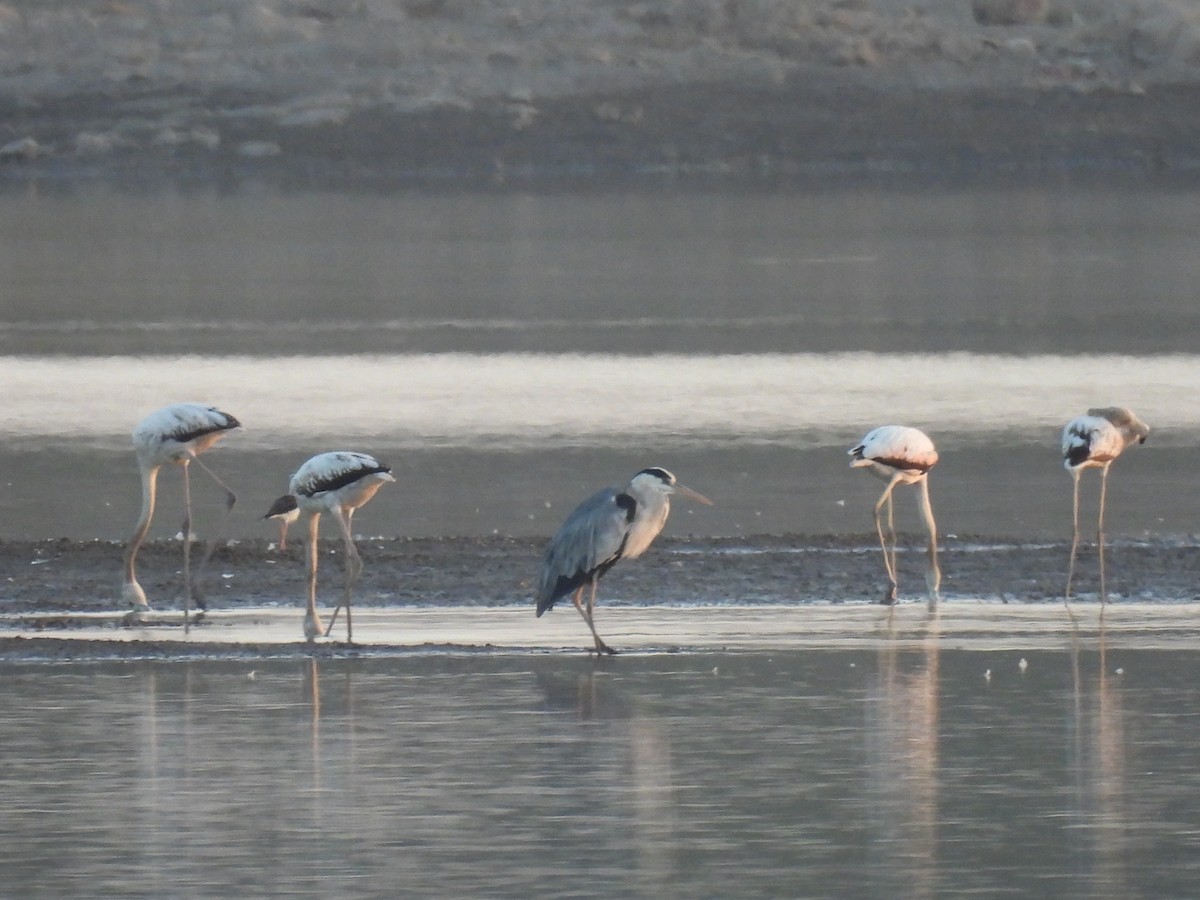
[(662, 474), (349, 476)]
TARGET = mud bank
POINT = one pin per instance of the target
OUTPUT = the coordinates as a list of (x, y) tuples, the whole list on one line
[(84, 577)]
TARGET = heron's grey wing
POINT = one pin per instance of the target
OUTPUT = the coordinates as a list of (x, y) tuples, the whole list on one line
[(590, 539)]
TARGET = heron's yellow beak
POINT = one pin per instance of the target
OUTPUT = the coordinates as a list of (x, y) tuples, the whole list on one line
[(695, 495)]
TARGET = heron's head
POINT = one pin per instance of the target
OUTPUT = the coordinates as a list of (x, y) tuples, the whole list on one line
[(654, 474), (664, 481)]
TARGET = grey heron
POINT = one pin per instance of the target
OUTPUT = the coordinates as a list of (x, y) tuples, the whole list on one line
[(338, 483), (1094, 441), (608, 526), (901, 455), (174, 435)]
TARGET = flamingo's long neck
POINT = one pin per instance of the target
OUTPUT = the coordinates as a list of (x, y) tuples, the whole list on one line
[(933, 577), (131, 592), (312, 622), (149, 492)]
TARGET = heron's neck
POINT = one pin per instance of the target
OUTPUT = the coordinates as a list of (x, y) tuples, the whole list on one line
[(648, 521)]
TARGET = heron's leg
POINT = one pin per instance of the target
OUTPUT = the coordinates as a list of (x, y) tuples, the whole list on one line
[(1100, 531), (601, 647), (353, 570), (577, 600), (933, 576), (312, 621), (885, 497), (187, 546)]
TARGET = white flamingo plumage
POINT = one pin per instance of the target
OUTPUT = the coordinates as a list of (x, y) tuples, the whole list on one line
[(338, 483), (901, 455), (1094, 441), (174, 435)]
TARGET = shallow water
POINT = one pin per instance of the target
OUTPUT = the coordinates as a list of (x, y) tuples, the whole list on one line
[(509, 353), (890, 771)]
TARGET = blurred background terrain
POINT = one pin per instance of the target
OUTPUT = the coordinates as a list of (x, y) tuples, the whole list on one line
[(356, 91)]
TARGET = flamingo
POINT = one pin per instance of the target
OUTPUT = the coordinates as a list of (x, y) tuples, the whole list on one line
[(608, 526), (1094, 441), (901, 455), (337, 483), (174, 435)]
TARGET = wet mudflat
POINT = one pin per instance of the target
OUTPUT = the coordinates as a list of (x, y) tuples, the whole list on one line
[(84, 577), (695, 594)]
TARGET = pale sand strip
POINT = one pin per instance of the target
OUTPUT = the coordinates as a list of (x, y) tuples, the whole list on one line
[(974, 625)]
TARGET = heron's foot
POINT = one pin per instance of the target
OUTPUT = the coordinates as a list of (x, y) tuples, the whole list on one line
[(889, 596), (603, 648)]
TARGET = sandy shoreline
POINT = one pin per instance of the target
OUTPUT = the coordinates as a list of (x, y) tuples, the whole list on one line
[(272, 633)]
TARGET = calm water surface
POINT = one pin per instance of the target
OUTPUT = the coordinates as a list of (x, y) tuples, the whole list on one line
[(817, 774)]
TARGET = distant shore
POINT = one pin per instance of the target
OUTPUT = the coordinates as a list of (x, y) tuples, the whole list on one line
[(728, 135), (493, 95)]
